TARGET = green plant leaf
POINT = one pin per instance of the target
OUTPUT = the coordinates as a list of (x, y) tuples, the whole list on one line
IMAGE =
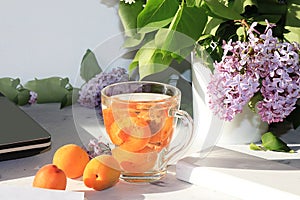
[(212, 25), (14, 91), (293, 21), (273, 143), (192, 22), (294, 117), (151, 60), (134, 40), (256, 147), (231, 10), (184, 31), (128, 14), (253, 101), (23, 97), (89, 66), (271, 7), (156, 14), (70, 97), (8, 87), (49, 90), (190, 3)]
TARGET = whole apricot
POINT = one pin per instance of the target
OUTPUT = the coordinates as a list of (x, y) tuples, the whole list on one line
[(72, 159), (50, 177), (101, 172)]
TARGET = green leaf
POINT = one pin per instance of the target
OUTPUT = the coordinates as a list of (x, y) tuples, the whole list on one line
[(256, 147), (231, 10), (194, 3), (256, 98), (273, 143), (212, 25), (128, 14), (156, 14), (293, 21), (14, 91), (294, 117), (49, 90), (192, 22), (70, 97), (150, 59), (271, 7), (134, 40), (8, 87), (185, 29), (23, 97), (226, 31), (89, 66)]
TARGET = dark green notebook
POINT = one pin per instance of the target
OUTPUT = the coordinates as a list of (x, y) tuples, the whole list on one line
[(20, 135)]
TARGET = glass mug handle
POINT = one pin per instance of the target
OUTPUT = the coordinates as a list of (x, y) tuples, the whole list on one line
[(177, 152)]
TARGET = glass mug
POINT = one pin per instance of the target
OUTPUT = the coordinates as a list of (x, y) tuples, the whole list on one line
[(140, 118)]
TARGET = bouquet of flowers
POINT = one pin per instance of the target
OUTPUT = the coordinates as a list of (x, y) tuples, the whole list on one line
[(256, 65), (262, 71)]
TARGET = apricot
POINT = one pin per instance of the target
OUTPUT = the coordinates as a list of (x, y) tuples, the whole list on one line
[(116, 135), (108, 118), (163, 137), (135, 162), (50, 177), (131, 134), (72, 159), (101, 172)]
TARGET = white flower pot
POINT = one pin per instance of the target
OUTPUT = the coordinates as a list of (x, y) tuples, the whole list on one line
[(245, 128)]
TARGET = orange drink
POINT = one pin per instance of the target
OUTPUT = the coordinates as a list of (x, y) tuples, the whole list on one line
[(140, 119)]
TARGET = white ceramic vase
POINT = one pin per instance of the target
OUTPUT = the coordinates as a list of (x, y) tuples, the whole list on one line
[(246, 127)]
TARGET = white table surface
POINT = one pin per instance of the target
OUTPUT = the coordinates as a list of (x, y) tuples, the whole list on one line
[(228, 172), (60, 124)]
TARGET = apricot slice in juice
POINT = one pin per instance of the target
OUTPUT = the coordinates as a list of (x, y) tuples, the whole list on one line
[(108, 117), (116, 134), (163, 137), (139, 135), (135, 162), (131, 134)]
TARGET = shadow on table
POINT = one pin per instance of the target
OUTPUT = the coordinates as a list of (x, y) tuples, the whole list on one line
[(221, 158), (137, 191)]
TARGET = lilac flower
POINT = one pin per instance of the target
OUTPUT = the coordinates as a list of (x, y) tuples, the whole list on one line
[(89, 95), (262, 64), (128, 1), (33, 97), (96, 148)]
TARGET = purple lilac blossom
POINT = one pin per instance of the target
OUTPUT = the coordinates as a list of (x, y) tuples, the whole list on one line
[(97, 147), (90, 93), (263, 64), (33, 97)]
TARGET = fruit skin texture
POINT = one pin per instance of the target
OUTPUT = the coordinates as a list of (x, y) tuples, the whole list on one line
[(101, 172), (50, 177), (72, 159)]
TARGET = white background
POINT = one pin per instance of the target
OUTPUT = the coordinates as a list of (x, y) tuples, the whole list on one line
[(43, 38)]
